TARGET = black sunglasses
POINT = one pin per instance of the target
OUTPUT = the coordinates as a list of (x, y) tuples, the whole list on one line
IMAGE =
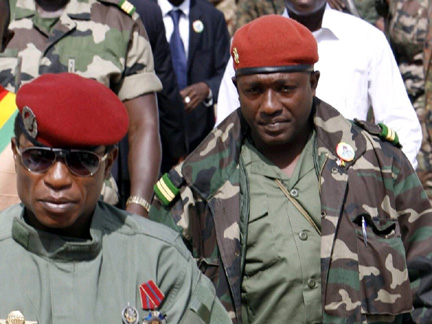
[(79, 162)]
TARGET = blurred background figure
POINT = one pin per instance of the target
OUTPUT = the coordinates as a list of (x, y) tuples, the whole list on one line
[(199, 41)]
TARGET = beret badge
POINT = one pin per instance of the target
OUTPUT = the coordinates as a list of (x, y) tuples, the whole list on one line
[(29, 120), (236, 55)]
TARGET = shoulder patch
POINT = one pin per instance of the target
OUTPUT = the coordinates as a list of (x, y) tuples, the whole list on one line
[(381, 130), (127, 7), (165, 190)]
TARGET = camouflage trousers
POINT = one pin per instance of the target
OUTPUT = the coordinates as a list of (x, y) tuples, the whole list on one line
[(424, 157)]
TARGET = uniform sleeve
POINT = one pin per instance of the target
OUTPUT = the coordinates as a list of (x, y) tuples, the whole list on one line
[(140, 77), (192, 298), (415, 218)]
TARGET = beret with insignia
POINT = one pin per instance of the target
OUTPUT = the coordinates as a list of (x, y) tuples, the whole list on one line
[(67, 110), (271, 44)]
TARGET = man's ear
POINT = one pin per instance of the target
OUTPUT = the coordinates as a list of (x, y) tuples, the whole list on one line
[(314, 77), (14, 150), (234, 80), (109, 162)]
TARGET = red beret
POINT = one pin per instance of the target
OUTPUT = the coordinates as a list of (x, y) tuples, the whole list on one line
[(67, 110), (271, 44)]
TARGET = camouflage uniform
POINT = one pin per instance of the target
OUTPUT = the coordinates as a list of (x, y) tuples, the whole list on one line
[(427, 134), (406, 28), (95, 39), (361, 283), (248, 10)]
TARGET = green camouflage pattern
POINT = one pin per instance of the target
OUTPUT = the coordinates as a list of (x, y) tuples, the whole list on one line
[(374, 283), (426, 177), (95, 39), (406, 29), (229, 9), (248, 10)]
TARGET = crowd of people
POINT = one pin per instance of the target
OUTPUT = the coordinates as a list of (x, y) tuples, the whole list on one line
[(195, 161)]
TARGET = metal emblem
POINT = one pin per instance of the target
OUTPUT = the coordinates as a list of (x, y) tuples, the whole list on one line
[(198, 26), (130, 315), (154, 317), (345, 152), (29, 120), (236, 55)]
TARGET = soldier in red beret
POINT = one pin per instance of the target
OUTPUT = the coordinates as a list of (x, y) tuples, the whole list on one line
[(66, 256), (295, 213)]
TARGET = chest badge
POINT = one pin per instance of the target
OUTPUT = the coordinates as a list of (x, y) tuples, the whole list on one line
[(345, 152), (16, 317), (198, 26), (130, 315), (151, 298)]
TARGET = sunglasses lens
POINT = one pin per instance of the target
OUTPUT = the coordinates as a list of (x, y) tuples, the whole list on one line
[(83, 163), (37, 160)]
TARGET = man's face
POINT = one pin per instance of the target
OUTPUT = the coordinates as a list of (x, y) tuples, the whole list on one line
[(304, 7), (277, 106), (57, 200)]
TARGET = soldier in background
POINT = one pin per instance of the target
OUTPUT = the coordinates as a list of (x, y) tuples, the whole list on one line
[(406, 27), (427, 137), (105, 41), (295, 213), (248, 10)]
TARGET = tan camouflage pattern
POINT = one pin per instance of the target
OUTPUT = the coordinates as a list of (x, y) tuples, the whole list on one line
[(426, 176), (95, 39), (248, 10), (374, 283), (229, 9), (407, 28)]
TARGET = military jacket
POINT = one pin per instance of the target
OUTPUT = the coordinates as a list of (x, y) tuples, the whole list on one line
[(52, 279), (382, 278), (96, 39)]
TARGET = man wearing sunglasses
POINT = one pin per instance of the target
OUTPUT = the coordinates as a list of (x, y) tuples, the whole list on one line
[(67, 257)]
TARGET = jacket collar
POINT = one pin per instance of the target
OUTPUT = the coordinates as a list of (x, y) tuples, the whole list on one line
[(213, 162)]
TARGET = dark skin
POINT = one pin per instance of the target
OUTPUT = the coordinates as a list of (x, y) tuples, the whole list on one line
[(58, 201), (307, 12), (197, 92), (5, 34), (144, 141), (277, 107)]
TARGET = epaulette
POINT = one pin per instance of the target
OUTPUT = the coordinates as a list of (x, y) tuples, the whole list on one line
[(381, 130), (127, 7), (165, 189)]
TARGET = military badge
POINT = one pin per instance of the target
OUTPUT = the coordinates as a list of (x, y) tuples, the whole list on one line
[(154, 317), (236, 55), (16, 317), (127, 7), (345, 152), (151, 298), (130, 315), (166, 190), (198, 26), (29, 120)]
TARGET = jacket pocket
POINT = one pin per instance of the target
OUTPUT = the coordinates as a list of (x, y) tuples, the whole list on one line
[(209, 267), (261, 250), (383, 274)]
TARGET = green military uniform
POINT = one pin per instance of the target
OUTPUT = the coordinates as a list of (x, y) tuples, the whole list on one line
[(248, 10), (376, 221), (52, 279), (95, 39), (406, 27), (274, 225)]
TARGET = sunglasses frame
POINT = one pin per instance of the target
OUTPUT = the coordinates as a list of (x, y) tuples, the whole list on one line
[(61, 153)]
